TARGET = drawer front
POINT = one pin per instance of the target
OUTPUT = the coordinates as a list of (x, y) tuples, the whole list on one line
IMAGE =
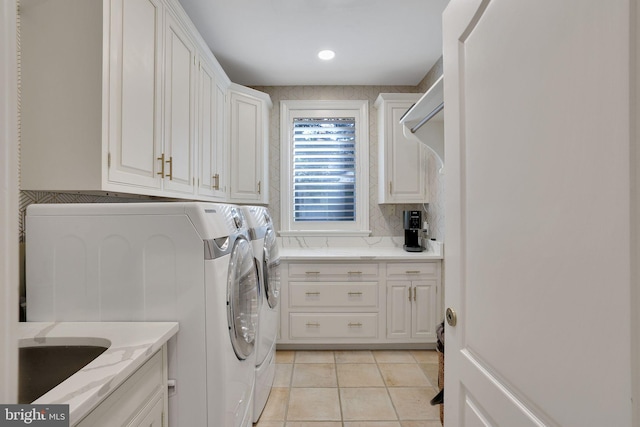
[(318, 271), (408, 269), (333, 325), (333, 294)]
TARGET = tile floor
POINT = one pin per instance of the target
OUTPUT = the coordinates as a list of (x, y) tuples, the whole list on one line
[(378, 388)]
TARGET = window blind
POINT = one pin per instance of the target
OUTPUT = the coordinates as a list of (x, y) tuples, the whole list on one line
[(324, 169)]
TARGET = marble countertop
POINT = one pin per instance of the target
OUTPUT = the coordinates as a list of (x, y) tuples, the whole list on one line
[(333, 249), (132, 344)]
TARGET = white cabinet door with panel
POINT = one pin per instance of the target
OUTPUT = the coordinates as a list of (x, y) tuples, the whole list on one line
[(402, 162), (179, 108), (135, 92), (249, 140), (212, 146), (412, 300)]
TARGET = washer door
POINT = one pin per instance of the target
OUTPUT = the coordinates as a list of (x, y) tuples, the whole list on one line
[(242, 298), (271, 268)]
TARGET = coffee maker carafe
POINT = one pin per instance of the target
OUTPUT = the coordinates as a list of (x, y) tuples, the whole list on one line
[(412, 227)]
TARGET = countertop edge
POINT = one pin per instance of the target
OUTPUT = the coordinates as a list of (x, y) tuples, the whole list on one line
[(88, 387)]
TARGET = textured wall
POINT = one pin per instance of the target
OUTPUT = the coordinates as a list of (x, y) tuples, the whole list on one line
[(435, 214)]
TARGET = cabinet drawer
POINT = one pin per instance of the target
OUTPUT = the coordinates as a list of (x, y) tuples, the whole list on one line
[(333, 294), (413, 269), (333, 325), (318, 271)]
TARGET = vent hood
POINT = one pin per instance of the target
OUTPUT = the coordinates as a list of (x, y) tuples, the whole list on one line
[(425, 120)]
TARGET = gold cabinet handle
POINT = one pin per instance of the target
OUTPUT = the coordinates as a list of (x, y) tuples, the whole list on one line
[(161, 173), (351, 294), (409, 293), (355, 325), (312, 272), (390, 192), (415, 291), (216, 182), (412, 271), (312, 293), (313, 325), (170, 161), (354, 272), (259, 187)]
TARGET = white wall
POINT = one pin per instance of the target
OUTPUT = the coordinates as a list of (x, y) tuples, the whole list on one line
[(8, 202)]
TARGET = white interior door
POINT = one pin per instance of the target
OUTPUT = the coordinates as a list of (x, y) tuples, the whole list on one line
[(537, 131)]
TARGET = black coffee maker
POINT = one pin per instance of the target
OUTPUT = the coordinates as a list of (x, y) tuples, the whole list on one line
[(412, 227)]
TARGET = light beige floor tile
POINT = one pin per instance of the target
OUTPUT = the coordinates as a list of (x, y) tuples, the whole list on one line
[(285, 356), (283, 375), (373, 424), (393, 356), (403, 375), (269, 424), (425, 356), (413, 403), (359, 375), (313, 424), (360, 404), (431, 371), (314, 375), (276, 406), (421, 424), (314, 404), (356, 356), (314, 357)]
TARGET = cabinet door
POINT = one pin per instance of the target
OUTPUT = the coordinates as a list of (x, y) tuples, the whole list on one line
[(153, 418), (206, 130), (179, 106), (135, 92), (246, 148), (405, 160), (423, 316), (221, 147), (398, 309)]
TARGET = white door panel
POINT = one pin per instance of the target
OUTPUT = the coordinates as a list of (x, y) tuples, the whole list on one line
[(537, 140)]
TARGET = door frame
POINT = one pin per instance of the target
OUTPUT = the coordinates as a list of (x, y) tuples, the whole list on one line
[(9, 254)]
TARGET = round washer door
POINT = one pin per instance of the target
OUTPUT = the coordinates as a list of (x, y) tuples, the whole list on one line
[(271, 268), (242, 299)]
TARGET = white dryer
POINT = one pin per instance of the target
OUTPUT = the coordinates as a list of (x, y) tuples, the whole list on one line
[(185, 262), (265, 250)]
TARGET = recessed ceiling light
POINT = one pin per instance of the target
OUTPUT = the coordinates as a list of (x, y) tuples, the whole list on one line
[(326, 54)]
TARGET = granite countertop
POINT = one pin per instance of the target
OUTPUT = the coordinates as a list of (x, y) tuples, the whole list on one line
[(347, 249), (132, 344)]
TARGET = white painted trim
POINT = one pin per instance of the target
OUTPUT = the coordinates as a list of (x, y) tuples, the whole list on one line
[(325, 108), (8, 202)]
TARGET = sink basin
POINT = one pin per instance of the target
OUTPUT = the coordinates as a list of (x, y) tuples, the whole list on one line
[(42, 366)]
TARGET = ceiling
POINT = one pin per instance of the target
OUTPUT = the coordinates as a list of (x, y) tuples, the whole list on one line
[(275, 42)]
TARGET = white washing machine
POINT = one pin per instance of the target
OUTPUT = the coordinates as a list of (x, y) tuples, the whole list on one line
[(185, 262), (265, 250)]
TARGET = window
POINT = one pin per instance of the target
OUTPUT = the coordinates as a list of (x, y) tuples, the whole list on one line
[(324, 167)]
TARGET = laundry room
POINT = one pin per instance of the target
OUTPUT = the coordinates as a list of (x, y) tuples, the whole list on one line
[(237, 214)]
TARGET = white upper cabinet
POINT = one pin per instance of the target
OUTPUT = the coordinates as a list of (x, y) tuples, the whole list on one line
[(212, 143), (402, 162), (179, 108), (110, 102), (135, 92), (249, 139)]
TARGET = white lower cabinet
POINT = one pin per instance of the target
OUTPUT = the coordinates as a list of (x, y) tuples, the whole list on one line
[(354, 303), (140, 401)]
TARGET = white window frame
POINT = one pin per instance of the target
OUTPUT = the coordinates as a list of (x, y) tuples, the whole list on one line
[(290, 109)]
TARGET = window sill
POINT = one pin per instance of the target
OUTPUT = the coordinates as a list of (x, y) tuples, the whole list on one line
[(328, 233)]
